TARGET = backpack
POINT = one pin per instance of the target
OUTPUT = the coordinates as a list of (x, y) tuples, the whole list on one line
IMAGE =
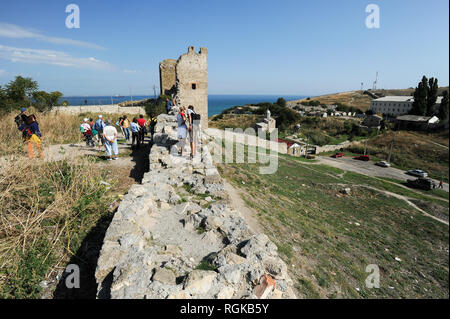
[(195, 116), (18, 119)]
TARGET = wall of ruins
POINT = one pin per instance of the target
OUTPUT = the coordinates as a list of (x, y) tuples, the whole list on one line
[(167, 77), (153, 246), (190, 75)]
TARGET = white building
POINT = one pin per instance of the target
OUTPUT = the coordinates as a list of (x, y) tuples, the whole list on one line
[(394, 105)]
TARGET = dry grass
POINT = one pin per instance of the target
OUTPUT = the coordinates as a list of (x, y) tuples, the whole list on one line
[(44, 208), (234, 121)]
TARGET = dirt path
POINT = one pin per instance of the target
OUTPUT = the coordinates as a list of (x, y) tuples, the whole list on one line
[(407, 200), (248, 214)]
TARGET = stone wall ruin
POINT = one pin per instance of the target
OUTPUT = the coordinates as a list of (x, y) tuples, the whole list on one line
[(176, 236), (186, 80)]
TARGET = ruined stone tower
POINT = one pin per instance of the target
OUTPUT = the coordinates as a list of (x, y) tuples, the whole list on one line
[(186, 80)]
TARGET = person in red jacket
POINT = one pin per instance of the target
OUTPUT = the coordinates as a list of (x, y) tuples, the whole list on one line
[(141, 122)]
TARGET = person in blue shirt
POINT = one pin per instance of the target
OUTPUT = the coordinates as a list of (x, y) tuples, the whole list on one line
[(99, 126), (135, 132), (169, 105)]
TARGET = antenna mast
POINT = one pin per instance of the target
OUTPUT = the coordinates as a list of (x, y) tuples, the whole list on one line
[(376, 82)]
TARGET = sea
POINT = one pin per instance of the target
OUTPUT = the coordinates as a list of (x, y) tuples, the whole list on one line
[(216, 102)]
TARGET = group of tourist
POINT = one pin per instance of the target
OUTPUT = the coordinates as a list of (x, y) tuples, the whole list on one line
[(106, 134)]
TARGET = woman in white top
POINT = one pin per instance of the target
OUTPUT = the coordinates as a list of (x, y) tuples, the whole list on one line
[(110, 135), (181, 117)]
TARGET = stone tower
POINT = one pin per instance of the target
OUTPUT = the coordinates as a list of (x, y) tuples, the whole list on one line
[(186, 79)]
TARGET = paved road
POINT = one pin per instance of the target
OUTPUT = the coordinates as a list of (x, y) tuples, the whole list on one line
[(368, 168)]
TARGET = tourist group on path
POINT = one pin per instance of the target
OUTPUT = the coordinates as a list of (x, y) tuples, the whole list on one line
[(106, 134)]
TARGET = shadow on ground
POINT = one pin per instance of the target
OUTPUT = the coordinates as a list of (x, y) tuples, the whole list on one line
[(87, 255)]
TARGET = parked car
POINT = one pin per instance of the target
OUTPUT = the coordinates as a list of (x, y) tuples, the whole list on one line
[(383, 164), (363, 158), (422, 183), (417, 172), (338, 155)]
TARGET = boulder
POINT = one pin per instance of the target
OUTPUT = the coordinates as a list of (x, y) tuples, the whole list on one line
[(199, 281), (164, 276)]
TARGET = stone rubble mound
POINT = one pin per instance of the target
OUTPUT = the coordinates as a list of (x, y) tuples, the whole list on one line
[(175, 236)]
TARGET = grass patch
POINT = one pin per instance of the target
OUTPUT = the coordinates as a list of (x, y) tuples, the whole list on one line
[(205, 265)]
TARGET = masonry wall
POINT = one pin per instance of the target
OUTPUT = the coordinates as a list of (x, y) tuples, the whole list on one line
[(187, 80), (167, 76), (192, 82)]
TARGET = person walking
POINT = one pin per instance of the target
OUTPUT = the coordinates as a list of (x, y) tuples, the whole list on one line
[(120, 126), (87, 132), (125, 125), (181, 118), (95, 137), (110, 139), (141, 121), (32, 135), (193, 129), (99, 126), (135, 129), (441, 184)]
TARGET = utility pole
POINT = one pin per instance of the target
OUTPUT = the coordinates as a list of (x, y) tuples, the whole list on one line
[(154, 91), (365, 147), (390, 150), (362, 83)]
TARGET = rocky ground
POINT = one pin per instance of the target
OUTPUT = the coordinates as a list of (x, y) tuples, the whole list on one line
[(177, 236)]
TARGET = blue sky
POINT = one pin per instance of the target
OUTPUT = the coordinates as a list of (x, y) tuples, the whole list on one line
[(255, 47)]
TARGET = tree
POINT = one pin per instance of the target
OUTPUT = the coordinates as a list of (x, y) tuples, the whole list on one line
[(281, 102), (443, 109), (153, 107), (419, 106), (21, 89), (432, 96), (45, 101)]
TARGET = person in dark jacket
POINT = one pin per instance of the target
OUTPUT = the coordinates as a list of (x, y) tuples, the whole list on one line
[(32, 135)]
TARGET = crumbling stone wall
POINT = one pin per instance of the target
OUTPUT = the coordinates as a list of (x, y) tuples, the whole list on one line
[(175, 236), (167, 77), (187, 80)]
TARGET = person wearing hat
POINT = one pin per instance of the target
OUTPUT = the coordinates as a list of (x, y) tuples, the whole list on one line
[(99, 126), (110, 136), (87, 132)]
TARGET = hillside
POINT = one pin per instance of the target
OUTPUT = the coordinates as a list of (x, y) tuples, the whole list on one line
[(328, 237), (357, 98)]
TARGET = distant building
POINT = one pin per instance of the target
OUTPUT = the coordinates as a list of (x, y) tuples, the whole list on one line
[(394, 105), (293, 148), (415, 122)]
